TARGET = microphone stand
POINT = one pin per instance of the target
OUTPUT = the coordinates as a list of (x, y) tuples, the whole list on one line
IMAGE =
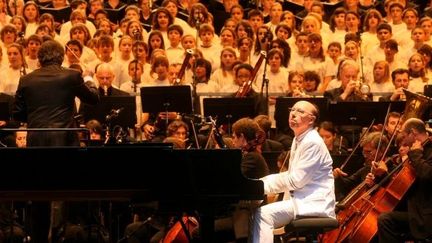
[(135, 79), (265, 80), (195, 98), (137, 133)]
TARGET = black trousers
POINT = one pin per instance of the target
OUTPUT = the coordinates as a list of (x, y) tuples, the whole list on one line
[(393, 226)]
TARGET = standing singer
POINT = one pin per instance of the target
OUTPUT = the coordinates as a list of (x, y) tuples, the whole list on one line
[(308, 182)]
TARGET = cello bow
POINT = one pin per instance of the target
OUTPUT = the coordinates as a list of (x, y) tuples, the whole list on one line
[(357, 145)]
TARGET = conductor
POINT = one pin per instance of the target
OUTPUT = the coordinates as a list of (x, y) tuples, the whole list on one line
[(45, 98)]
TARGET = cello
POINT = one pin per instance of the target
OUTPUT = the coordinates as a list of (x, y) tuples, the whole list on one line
[(384, 200), (353, 205), (181, 231)]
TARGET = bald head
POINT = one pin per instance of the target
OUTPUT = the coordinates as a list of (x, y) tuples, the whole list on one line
[(302, 116), (105, 74), (414, 123)]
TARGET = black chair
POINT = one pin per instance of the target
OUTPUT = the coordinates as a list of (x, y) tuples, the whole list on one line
[(307, 229)]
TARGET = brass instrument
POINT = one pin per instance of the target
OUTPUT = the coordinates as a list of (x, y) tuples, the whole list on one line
[(299, 92), (415, 106), (178, 78), (362, 89)]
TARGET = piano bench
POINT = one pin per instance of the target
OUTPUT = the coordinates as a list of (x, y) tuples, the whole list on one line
[(306, 228)]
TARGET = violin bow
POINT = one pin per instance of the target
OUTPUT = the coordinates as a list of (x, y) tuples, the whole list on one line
[(357, 145), (382, 134)]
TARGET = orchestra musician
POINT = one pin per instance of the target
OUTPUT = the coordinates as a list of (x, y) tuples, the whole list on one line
[(344, 183), (400, 78), (177, 133), (105, 76), (45, 98), (416, 220), (349, 90), (243, 73), (334, 143), (247, 136), (268, 144), (308, 182)]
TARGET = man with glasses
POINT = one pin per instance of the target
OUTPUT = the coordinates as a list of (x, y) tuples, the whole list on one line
[(308, 184), (344, 183)]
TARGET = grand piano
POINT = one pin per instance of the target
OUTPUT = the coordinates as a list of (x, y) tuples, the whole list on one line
[(180, 180)]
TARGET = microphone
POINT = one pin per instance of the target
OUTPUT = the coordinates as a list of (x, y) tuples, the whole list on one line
[(114, 113), (136, 34)]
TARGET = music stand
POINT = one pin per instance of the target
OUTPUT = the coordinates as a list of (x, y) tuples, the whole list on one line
[(229, 109), (166, 98), (61, 15), (283, 103), (362, 113), (126, 117), (115, 15)]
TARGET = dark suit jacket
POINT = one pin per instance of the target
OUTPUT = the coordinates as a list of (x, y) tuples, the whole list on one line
[(272, 145), (343, 185), (334, 96), (45, 98), (420, 194), (254, 166)]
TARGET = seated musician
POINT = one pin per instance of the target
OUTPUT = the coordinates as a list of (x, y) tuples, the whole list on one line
[(344, 183), (416, 220), (308, 181), (400, 78), (177, 133), (8, 217), (404, 143), (334, 143), (349, 90), (247, 136), (7, 138), (268, 144), (155, 124), (295, 84), (244, 73)]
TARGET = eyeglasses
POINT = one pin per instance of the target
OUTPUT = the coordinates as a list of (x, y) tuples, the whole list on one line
[(370, 152), (299, 111)]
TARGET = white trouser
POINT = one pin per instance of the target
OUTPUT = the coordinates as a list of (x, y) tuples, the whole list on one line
[(269, 217)]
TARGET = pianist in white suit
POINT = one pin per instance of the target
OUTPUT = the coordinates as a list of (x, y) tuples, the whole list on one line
[(308, 184)]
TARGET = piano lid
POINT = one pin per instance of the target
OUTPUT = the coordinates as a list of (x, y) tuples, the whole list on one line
[(115, 173)]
